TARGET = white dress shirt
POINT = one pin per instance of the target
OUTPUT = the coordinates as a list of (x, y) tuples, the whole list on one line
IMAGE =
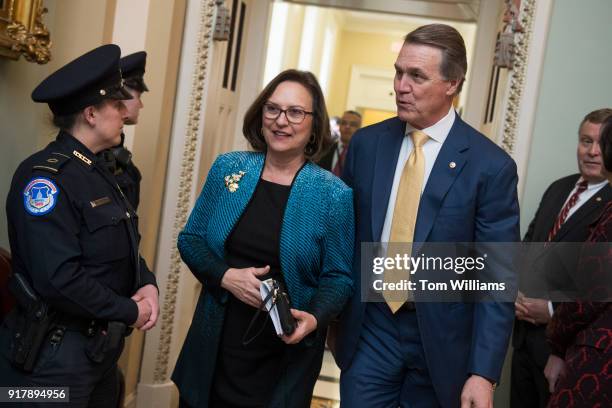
[(437, 135), (591, 190)]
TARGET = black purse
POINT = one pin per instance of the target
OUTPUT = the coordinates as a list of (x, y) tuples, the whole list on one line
[(276, 301)]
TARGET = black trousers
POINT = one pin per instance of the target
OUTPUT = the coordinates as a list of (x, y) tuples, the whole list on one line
[(529, 387), (91, 385)]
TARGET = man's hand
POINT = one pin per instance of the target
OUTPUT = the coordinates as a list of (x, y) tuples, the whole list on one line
[(532, 310), (244, 284), (144, 313), (477, 393), (306, 324), (148, 294), (520, 310), (555, 368)]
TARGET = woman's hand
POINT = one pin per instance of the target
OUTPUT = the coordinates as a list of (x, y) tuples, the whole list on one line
[(306, 324), (150, 294), (244, 284), (555, 368), (144, 312)]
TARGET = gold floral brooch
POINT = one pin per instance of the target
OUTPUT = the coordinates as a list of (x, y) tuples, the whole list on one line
[(231, 182)]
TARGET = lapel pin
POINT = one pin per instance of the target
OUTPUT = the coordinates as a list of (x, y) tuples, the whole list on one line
[(452, 165), (598, 199), (231, 182)]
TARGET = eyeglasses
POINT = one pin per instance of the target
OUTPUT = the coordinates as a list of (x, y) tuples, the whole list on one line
[(294, 115)]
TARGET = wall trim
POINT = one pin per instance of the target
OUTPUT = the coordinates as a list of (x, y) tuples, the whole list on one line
[(517, 81), (523, 93), (184, 198)]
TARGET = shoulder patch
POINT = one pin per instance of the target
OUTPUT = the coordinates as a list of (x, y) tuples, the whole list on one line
[(40, 196), (53, 163)]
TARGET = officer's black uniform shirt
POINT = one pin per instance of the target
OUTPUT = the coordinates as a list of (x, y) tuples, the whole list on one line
[(129, 181), (81, 255), (126, 174)]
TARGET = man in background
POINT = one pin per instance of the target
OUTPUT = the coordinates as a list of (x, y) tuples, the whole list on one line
[(568, 206), (333, 160)]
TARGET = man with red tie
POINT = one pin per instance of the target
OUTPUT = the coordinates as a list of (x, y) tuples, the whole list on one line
[(566, 210), (333, 160)]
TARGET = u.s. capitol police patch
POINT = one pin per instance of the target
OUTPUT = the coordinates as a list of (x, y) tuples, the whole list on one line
[(40, 196)]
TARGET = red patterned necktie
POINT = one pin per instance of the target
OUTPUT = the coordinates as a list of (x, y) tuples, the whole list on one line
[(337, 170), (582, 186)]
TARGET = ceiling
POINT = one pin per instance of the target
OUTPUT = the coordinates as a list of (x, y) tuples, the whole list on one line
[(455, 10)]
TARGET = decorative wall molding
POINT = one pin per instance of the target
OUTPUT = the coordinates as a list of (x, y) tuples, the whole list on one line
[(517, 82), (185, 183), (22, 31)]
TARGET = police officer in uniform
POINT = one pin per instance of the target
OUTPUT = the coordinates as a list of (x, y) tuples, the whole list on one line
[(118, 158), (74, 243)]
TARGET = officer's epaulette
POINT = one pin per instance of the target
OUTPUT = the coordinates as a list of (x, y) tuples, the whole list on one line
[(53, 163)]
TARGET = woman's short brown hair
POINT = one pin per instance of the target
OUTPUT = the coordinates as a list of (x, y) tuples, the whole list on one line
[(68, 121), (321, 135)]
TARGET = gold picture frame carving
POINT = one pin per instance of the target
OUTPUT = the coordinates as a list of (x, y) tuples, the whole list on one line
[(22, 31)]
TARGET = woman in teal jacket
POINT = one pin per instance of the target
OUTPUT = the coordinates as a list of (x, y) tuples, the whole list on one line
[(271, 213)]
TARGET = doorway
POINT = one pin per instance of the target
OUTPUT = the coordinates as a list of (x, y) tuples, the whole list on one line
[(352, 53)]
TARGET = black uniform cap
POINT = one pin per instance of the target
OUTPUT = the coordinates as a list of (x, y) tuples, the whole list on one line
[(85, 81), (133, 69)]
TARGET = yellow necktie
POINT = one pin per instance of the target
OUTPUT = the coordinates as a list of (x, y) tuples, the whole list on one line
[(404, 218)]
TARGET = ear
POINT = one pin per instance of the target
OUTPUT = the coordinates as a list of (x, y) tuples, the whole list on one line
[(89, 114), (453, 85)]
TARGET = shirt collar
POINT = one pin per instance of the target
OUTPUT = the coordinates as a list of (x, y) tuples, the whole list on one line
[(439, 130), (76, 149), (593, 185)]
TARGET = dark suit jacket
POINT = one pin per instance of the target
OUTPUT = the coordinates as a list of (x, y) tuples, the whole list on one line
[(328, 158), (560, 261), (473, 201)]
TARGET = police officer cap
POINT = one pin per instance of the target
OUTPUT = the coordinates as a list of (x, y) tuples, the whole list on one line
[(86, 81), (133, 69)]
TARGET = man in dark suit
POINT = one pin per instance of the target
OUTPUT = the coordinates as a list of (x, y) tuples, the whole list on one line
[(462, 189), (333, 160), (566, 210)]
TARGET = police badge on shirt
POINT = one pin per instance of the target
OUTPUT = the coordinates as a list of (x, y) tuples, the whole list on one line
[(40, 196)]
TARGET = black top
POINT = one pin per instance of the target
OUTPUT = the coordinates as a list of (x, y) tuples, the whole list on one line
[(255, 240), (246, 375)]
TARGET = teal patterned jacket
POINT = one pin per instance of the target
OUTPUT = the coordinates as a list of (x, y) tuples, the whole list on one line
[(316, 250)]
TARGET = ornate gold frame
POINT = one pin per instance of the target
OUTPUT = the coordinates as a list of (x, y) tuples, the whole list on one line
[(22, 31)]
